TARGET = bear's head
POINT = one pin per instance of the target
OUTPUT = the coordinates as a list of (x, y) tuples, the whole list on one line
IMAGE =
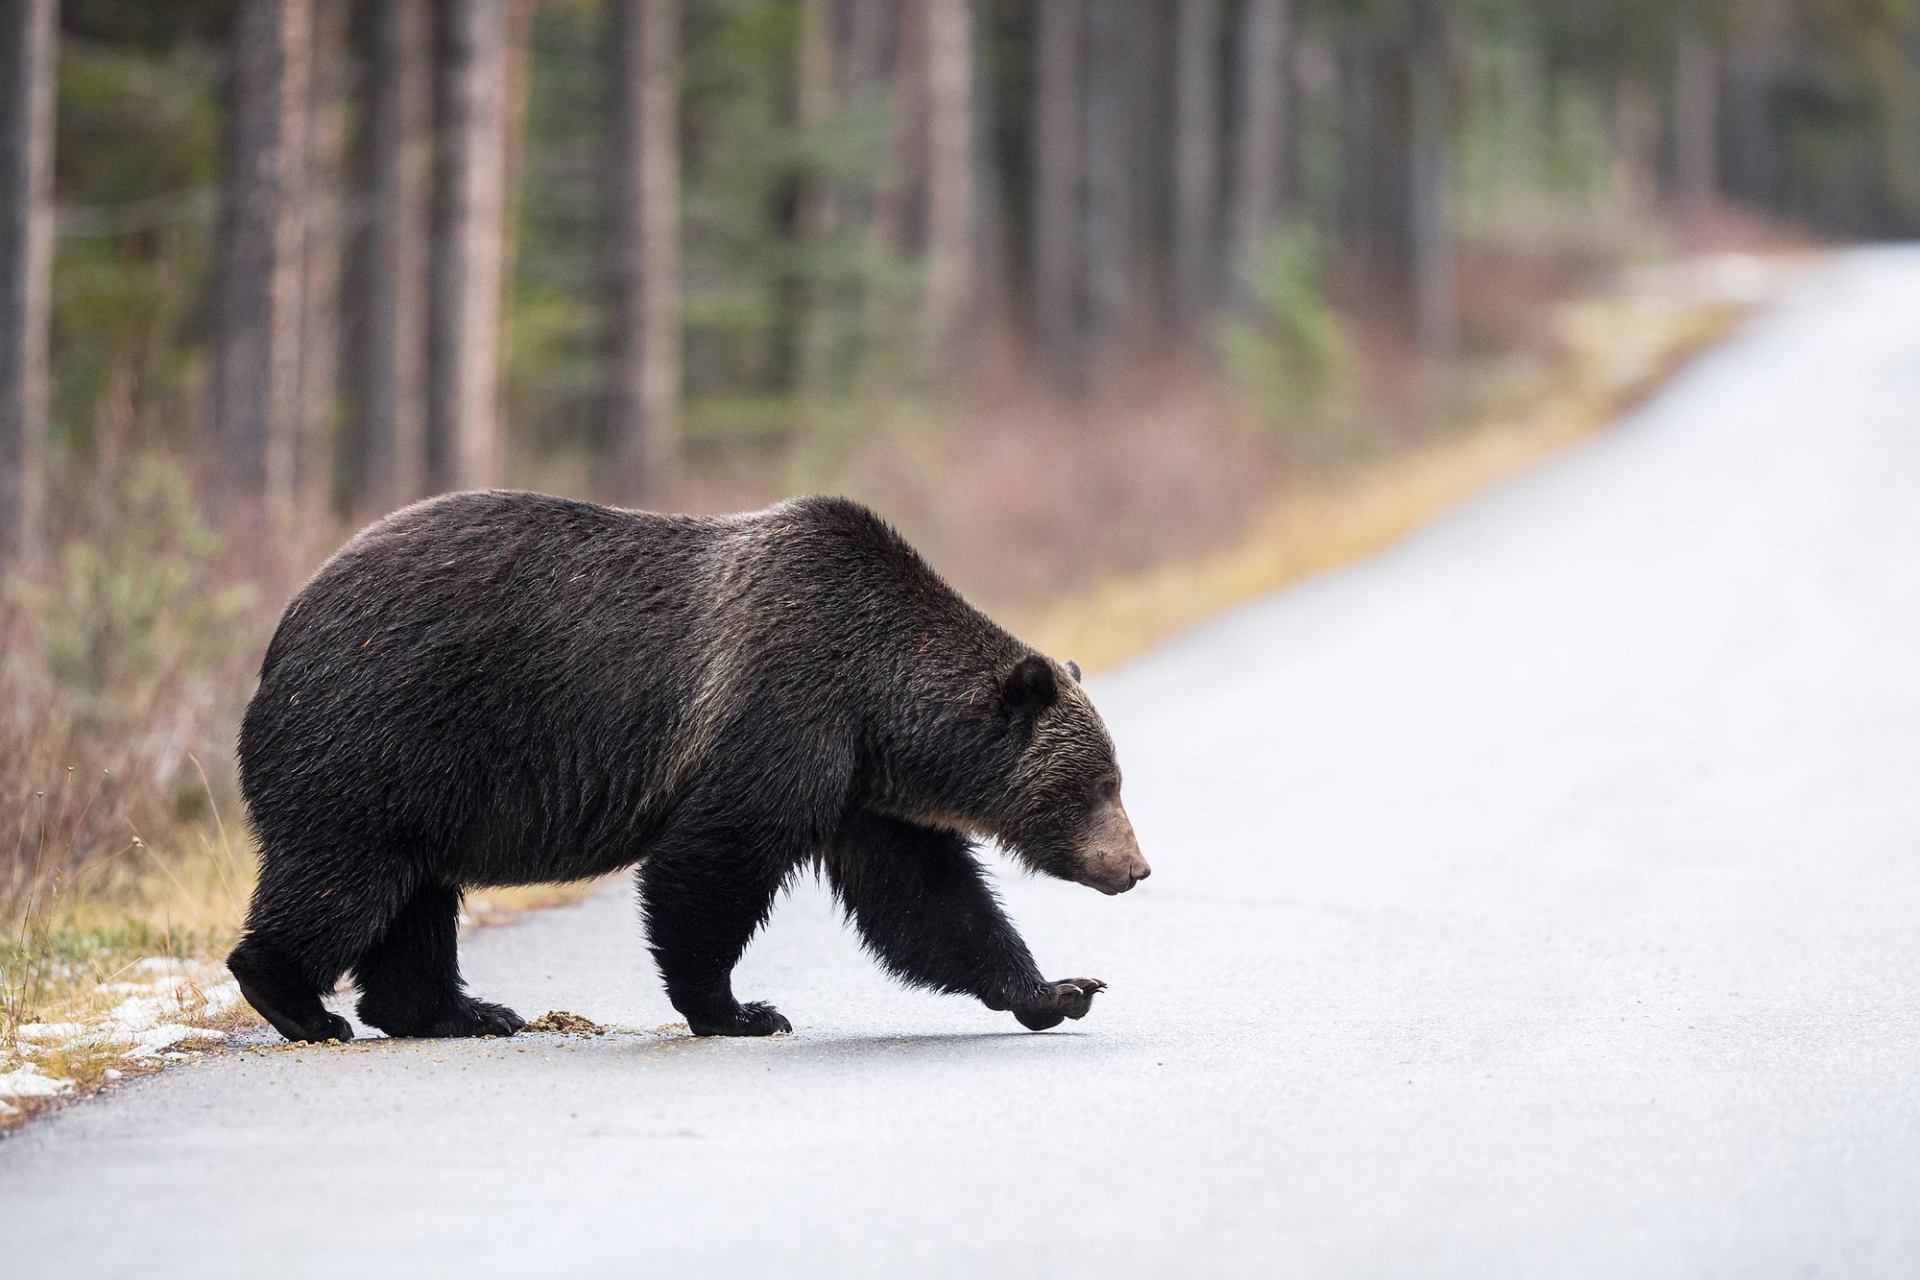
[(1060, 809)]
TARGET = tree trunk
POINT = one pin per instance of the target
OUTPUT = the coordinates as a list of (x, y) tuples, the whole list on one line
[(815, 206), (1153, 63), (1376, 197), (1259, 189), (29, 45), (1696, 128), (391, 457), (518, 80), (990, 283), (1635, 143), (322, 255), (866, 32), (950, 180), (1110, 206), (1057, 170), (1753, 161), (644, 249), (897, 208), (256, 376), (814, 102), (1196, 216), (1429, 83), (469, 242), (865, 60)]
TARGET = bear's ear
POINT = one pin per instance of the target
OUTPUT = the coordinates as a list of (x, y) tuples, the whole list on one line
[(1073, 669), (1029, 688)]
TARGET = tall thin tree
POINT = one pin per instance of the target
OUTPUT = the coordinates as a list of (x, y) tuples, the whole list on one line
[(322, 253), (467, 264), (1259, 171), (1110, 197), (1429, 78), (29, 39), (390, 454), (255, 402), (1196, 174), (1696, 125), (864, 60), (519, 86), (1635, 130), (898, 202), (991, 289), (815, 207), (1375, 168), (643, 215), (1057, 170), (951, 173)]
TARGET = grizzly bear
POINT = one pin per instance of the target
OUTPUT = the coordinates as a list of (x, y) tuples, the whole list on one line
[(507, 688)]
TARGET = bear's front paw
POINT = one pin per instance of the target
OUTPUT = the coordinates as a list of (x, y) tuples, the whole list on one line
[(1069, 999), (482, 1018), (747, 1020), (322, 1028)]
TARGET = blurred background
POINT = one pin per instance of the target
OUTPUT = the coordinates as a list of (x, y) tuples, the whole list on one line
[(1121, 309)]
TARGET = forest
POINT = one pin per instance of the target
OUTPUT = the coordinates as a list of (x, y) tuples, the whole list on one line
[(1069, 289)]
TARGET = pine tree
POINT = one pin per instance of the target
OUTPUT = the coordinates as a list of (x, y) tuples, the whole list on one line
[(28, 46), (643, 242), (390, 454), (256, 378)]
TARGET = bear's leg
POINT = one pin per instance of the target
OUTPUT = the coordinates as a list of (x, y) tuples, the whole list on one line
[(923, 904), (410, 979), (302, 933), (282, 990), (703, 900)]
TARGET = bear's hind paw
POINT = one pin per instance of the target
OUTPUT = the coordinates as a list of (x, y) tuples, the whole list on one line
[(466, 1017)]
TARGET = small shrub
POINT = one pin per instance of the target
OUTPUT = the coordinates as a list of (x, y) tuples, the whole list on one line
[(126, 665)]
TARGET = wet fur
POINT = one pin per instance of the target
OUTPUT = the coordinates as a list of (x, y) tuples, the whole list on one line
[(503, 688)]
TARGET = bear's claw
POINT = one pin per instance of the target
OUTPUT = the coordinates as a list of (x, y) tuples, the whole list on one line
[(492, 1019), (756, 1019), (1069, 999)]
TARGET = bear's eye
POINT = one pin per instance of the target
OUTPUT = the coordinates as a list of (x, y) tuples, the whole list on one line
[(1107, 788)]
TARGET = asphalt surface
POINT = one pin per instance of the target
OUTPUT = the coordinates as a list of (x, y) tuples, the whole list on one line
[(1538, 897)]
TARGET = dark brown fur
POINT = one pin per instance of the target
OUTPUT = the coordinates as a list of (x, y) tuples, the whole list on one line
[(503, 688)]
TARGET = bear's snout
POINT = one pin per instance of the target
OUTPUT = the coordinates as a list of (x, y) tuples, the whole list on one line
[(1110, 859)]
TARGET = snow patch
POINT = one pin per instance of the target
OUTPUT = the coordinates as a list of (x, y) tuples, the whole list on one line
[(159, 1002), (165, 1036), (58, 1032), (28, 1082), (148, 1017)]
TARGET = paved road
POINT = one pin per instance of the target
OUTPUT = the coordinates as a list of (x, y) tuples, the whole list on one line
[(1538, 897)]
